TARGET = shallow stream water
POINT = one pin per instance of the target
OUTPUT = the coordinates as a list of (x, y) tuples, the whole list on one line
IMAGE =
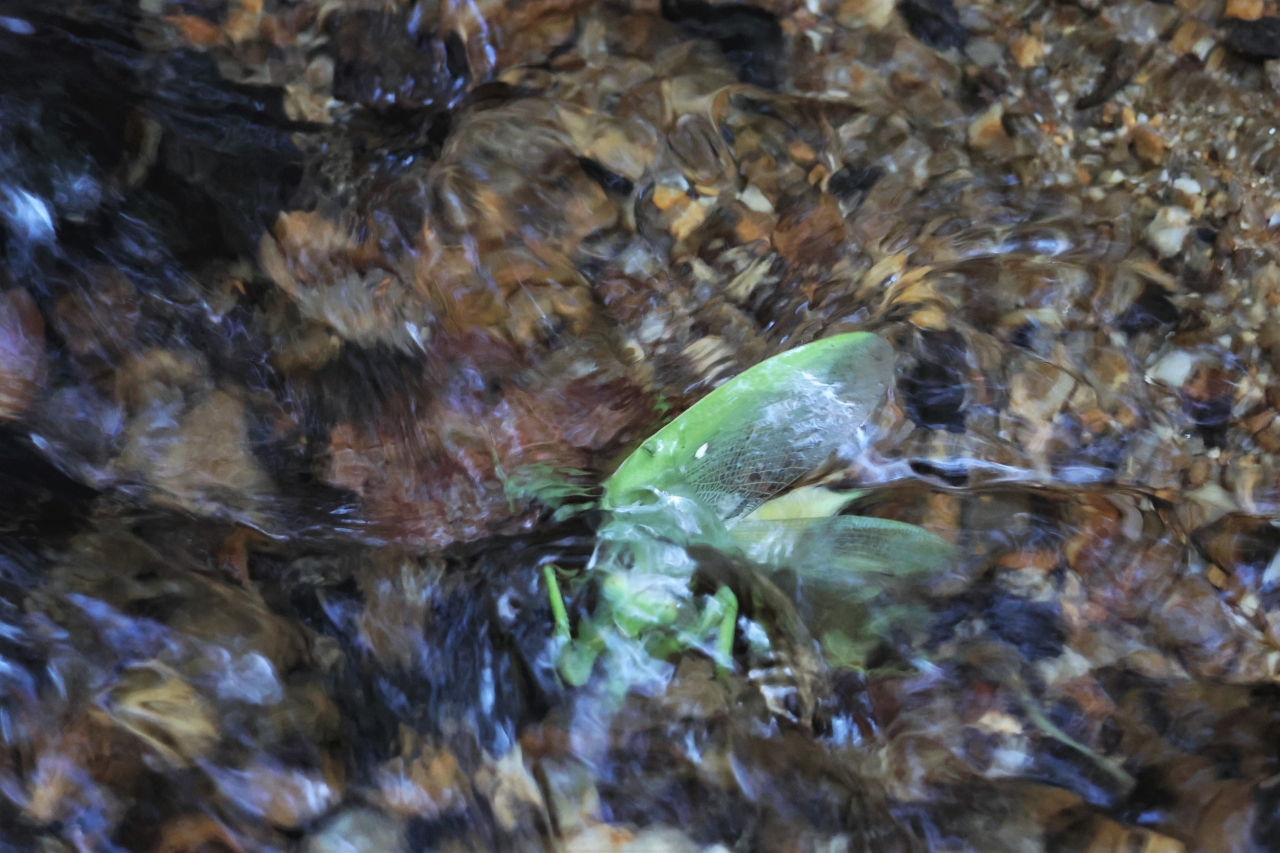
[(312, 314)]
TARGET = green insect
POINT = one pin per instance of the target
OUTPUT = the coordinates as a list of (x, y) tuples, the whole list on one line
[(757, 434), (734, 454)]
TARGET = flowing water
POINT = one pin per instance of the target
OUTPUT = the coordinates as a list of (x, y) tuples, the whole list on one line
[(322, 323)]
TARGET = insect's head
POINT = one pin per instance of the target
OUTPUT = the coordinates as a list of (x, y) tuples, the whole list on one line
[(648, 468)]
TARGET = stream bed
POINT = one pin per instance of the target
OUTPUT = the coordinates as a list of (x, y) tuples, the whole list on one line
[(323, 321)]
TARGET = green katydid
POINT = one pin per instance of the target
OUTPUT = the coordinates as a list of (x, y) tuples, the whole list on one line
[(746, 442), (757, 434), (737, 450)]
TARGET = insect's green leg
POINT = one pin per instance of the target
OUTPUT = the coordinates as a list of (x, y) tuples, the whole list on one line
[(1109, 766), (557, 602), (728, 624)]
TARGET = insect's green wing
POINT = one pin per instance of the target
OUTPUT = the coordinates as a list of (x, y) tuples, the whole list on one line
[(809, 502), (760, 432), (836, 550)]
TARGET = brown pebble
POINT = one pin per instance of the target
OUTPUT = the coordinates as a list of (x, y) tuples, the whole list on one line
[(1193, 37), (1244, 10), (22, 359), (1148, 145), (1027, 51), (665, 197), (986, 131)]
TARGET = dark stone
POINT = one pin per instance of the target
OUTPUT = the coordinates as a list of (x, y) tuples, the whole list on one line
[(1258, 40), (953, 474), (378, 63), (1122, 61), (611, 181), (749, 37), (1151, 802), (1266, 827), (851, 184), (934, 22), (1151, 310), (1024, 334), (1210, 417), (1033, 626), (934, 389)]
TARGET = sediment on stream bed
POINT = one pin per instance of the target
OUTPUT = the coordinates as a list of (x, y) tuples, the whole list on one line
[(311, 313)]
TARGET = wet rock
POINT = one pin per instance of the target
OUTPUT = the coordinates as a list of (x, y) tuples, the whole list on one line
[(1257, 39), (423, 781), (196, 833), (572, 798), (1039, 391), (1244, 10), (356, 831), (1034, 627), (1193, 620), (284, 797), (607, 839), (935, 388), (1173, 368), (1151, 310), (1027, 51), (187, 441), (934, 22), (1148, 145), (987, 131), (749, 36), (810, 234), (851, 184), (153, 703), (1169, 230), (611, 181), (875, 14), (1120, 60), (22, 358), (327, 271), (379, 64), (1207, 402)]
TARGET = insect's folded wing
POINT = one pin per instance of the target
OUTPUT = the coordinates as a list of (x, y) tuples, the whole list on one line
[(806, 502), (834, 550), (760, 432)]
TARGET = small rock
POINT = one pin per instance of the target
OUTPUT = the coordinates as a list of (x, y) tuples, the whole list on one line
[(357, 831), (934, 22), (1027, 51), (571, 795), (652, 839), (194, 832), (1244, 10), (874, 14), (810, 233), (665, 197), (1193, 37), (1257, 40), (986, 131), (1272, 67), (1169, 230), (985, 52), (1227, 823), (1188, 193), (1148, 145), (755, 200), (1172, 369), (156, 705), (22, 361), (284, 797), (1039, 392), (688, 221)]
